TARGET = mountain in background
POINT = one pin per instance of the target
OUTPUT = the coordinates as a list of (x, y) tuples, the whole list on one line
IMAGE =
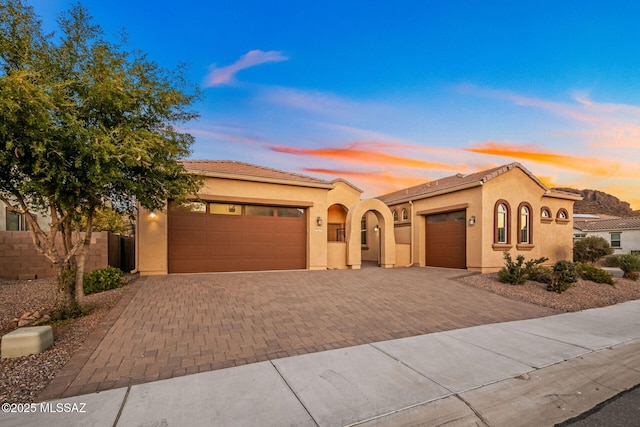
[(599, 202)]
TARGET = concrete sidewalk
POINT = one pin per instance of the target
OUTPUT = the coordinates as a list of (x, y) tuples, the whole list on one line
[(524, 373)]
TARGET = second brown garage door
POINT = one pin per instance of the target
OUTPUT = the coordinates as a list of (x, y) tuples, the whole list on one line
[(208, 237), (446, 240)]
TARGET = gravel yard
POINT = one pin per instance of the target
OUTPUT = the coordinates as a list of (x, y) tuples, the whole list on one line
[(23, 378), (581, 296)]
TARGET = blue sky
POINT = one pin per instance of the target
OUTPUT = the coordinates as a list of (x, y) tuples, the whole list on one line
[(391, 94)]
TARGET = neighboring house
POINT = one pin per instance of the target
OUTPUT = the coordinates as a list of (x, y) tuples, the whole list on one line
[(468, 221), (623, 234), (249, 217), (19, 258), (12, 221)]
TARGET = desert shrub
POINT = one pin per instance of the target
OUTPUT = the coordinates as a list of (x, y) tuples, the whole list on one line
[(590, 249), (611, 261), (630, 265), (66, 311), (565, 274), (594, 274), (103, 279), (517, 272), (541, 274)]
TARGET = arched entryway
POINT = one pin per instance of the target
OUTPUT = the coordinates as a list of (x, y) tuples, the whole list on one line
[(386, 237), (337, 236)]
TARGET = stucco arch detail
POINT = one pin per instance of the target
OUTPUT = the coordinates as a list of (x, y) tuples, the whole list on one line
[(387, 238)]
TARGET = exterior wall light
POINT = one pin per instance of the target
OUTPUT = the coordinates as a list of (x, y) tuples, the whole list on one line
[(472, 220), (376, 228), (153, 215), (319, 221)]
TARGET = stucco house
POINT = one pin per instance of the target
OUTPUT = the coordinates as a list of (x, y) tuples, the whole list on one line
[(468, 221), (249, 217), (623, 234)]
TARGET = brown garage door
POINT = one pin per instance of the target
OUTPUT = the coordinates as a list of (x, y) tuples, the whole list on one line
[(446, 240), (207, 237)]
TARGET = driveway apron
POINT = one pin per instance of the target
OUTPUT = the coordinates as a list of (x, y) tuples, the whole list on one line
[(183, 324)]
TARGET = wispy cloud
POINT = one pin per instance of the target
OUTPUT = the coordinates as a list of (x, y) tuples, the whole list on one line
[(366, 153), (226, 74), (608, 125), (376, 182), (318, 102), (558, 108), (228, 135), (599, 167)]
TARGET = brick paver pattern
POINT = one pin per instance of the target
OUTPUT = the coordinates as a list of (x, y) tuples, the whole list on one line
[(182, 324)]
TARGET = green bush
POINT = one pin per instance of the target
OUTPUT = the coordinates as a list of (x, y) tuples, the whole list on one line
[(65, 311), (594, 274), (611, 261), (541, 274), (516, 273), (103, 279), (630, 265), (565, 274), (590, 249)]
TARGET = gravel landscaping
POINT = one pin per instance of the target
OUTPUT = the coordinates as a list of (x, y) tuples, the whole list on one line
[(23, 378), (581, 296)]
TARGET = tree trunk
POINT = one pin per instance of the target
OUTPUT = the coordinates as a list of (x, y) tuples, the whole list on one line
[(66, 274), (82, 259)]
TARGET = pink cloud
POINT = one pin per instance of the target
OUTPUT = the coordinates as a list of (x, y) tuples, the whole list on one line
[(225, 75)]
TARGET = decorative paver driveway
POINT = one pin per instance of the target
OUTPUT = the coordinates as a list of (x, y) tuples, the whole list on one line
[(182, 324)]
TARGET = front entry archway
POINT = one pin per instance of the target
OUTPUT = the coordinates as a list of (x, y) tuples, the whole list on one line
[(387, 237)]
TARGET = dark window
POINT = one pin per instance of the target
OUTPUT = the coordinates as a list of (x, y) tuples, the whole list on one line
[(501, 232), (436, 218), (525, 226), (17, 221), (253, 210), (363, 230), (291, 212), (193, 207), (616, 240), (405, 215)]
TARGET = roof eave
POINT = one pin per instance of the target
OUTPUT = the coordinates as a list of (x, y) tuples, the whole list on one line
[(564, 196), (251, 178), (435, 193)]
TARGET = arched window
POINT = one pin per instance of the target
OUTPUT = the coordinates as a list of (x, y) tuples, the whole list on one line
[(562, 217), (525, 234), (501, 223), (395, 215), (405, 215), (545, 213)]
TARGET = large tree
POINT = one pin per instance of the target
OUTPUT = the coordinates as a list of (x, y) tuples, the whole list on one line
[(85, 124)]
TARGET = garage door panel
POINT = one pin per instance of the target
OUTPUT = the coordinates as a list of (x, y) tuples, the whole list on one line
[(226, 251), (200, 242), (190, 237), (221, 238), (446, 244), (189, 222)]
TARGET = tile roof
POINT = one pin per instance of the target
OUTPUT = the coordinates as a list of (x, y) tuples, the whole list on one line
[(630, 223), (234, 168), (457, 182)]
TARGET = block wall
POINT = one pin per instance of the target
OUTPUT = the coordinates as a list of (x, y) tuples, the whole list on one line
[(20, 260)]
